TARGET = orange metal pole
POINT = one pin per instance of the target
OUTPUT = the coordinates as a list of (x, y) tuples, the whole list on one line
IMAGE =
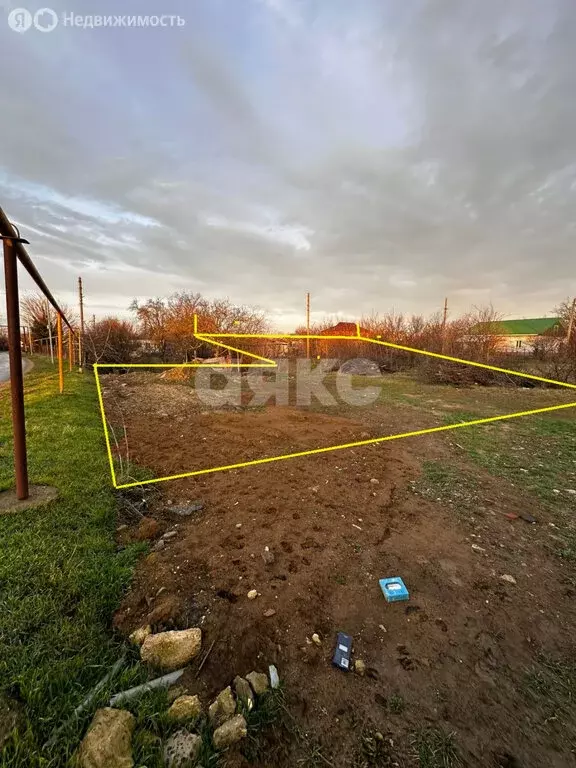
[(60, 352)]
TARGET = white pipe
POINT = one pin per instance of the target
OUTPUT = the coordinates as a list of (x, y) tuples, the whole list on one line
[(159, 682)]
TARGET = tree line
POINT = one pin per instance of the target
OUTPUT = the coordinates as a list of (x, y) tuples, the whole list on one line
[(162, 330)]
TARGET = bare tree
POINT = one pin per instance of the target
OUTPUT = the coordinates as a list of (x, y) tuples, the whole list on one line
[(169, 323), (566, 311), (40, 316), (111, 340)]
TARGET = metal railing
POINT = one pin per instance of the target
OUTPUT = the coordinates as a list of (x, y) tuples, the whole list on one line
[(15, 252)]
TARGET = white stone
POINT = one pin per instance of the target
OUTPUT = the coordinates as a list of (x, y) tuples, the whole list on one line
[(181, 749)]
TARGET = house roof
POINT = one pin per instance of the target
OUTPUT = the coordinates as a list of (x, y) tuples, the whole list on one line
[(526, 327), (343, 329)]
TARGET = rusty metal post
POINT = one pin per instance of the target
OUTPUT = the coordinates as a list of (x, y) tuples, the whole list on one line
[(16, 375), (60, 352), (70, 350)]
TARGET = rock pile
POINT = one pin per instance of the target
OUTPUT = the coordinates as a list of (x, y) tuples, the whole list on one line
[(107, 743)]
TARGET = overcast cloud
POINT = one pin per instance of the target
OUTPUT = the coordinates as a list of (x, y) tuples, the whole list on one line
[(377, 153)]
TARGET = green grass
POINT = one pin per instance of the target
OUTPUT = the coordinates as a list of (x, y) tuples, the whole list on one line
[(61, 577), (435, 749), (440, 481), (551, 684), (396, 704), (153, 727), (537, 452), (267, 724)]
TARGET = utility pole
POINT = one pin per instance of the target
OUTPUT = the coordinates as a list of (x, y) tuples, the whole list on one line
[(308, 325), (444, 318), (571, 323), (49, 324), (81, 336)]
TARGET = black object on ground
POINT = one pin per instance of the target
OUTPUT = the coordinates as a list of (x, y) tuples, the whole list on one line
[(341, 658)]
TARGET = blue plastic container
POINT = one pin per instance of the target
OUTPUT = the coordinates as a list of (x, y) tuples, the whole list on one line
[(394, 589)]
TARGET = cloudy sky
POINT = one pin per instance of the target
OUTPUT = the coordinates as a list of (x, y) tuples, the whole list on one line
[(377, 153)]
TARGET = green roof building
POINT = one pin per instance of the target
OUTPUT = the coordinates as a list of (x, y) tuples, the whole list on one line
[(518, 335)]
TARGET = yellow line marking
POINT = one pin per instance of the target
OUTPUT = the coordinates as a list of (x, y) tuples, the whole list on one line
[(266, 363), (322, 336), (266, 360), (104, 424), (181, 365), (471, 362), (372, 441)]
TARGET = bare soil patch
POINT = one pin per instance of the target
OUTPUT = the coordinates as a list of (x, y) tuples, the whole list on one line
[(453, 657)]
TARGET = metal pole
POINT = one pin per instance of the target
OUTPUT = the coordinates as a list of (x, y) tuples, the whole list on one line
[(49, 319), (8, 230), (60, 352), (571, 323), (81, 336), (70, 350), (444, 325), (16, 375), (308, 325)]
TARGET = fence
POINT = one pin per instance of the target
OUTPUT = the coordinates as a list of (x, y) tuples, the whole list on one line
[(15, 252)]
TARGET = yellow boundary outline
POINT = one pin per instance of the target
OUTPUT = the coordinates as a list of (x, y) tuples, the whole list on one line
[(265, 362)]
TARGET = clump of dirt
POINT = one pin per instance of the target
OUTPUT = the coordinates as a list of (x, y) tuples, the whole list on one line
[(177, 374)]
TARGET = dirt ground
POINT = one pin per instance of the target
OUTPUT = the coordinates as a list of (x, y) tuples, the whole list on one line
[(454, 657)]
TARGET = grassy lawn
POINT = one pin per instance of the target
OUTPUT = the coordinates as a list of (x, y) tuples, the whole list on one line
[(60, 574), (536, 454)]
